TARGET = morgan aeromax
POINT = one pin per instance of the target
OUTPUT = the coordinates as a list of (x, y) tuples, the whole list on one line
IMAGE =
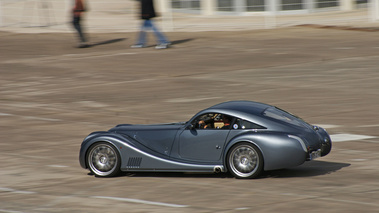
[(240, 137)]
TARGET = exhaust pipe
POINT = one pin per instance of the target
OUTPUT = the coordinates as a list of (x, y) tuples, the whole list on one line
[(217, 169)]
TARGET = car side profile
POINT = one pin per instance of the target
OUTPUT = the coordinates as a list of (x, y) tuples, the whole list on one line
[(240, 137)]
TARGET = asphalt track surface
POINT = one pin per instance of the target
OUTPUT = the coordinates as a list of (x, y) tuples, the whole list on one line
[(52, 95)]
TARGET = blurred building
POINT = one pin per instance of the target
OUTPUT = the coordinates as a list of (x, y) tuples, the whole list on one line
[(241, 7), (187, 15)]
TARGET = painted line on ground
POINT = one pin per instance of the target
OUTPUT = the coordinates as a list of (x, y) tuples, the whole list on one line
[(359, 160), (9, 211), (241, 209), (57, 166), (31, 117), (369, 126), (141, 201), (187, 100), (129, 200), (348, 201), (343, 48), (15, 191), (349, 137), (327, 126)]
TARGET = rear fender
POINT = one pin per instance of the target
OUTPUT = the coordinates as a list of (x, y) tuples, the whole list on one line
[(278, 150)]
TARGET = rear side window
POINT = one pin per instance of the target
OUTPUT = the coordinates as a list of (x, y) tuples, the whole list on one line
[(242, 124), (282, 115)]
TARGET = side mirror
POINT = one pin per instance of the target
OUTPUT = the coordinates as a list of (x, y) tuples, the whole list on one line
[(191, 127)]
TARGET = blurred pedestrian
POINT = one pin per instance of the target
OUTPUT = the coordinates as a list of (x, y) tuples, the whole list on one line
[(147, 13), (77, 11)]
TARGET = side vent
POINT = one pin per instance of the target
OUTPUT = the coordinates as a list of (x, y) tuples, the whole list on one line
[(134, 162)]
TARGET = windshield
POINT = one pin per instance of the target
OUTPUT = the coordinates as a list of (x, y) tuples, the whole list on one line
[(279, 114)]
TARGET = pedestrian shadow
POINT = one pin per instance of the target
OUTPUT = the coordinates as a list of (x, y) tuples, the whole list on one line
[(176, 42), (181, 41), (107, 42)]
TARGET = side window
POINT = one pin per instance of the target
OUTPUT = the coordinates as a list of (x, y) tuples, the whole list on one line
[(213, 121), (205, 121), (242, 124)]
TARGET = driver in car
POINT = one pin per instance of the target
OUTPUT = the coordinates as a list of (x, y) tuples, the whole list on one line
[(207, 121)]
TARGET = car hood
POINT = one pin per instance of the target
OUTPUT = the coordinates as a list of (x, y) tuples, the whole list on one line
[(156, 137)]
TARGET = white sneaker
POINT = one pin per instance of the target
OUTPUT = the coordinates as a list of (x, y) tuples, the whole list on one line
[(138, 46), (162, 46)]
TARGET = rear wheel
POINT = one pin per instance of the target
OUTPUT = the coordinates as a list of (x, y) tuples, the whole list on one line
[(245, 160), (103, 160)]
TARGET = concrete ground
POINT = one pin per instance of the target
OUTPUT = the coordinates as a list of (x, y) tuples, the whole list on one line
[(52, 95)]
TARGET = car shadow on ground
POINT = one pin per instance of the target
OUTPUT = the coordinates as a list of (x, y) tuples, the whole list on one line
[(308, 169)]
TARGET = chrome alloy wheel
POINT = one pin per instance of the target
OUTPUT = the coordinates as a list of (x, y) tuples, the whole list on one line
[(103, 160), (244, 161)]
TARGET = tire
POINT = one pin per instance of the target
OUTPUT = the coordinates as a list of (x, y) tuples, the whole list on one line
[(244, 161), (103, 160)]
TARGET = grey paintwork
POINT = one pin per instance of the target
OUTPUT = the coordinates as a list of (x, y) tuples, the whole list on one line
[(179, 147)]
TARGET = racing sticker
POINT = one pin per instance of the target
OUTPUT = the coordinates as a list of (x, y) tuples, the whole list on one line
[(235, 126)]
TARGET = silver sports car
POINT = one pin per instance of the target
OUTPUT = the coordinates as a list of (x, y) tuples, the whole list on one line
[(240, 137)]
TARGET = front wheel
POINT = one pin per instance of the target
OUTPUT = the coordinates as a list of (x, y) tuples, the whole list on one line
[(103, 160), (244, 161)]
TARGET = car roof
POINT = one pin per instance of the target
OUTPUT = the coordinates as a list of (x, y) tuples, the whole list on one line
[(249, 107)]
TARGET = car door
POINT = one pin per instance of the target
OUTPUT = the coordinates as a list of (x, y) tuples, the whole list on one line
[(202, 144)]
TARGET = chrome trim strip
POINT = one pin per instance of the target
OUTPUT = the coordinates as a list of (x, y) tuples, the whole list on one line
[(160, 159), (303, 145)]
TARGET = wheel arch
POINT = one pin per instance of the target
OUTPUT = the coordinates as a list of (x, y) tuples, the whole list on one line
[(244, 160), (278, 150), (87, 144), (238, 141)]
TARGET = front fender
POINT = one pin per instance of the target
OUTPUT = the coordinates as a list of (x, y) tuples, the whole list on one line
[(278, 150), (116, 140)]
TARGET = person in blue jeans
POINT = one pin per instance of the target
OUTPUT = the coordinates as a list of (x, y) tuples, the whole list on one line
[(147, 13)]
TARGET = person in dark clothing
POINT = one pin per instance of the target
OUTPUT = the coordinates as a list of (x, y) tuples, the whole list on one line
[(226, 119), (147, 13), (77, 11), (206, 121)]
